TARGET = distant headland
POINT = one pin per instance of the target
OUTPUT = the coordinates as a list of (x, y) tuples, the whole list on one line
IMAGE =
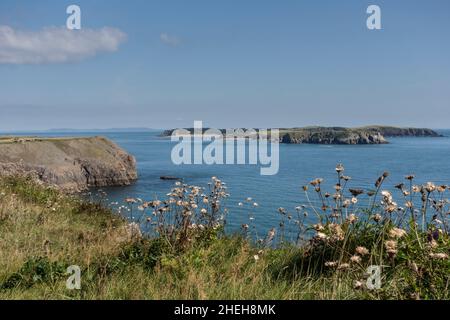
[(338, 135), (72, 164)]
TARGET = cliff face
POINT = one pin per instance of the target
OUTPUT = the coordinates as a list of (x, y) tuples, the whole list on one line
[(73, 164)]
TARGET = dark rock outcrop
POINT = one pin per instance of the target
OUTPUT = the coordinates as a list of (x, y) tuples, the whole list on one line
[(73, 164), (170, 178), (330, 136)]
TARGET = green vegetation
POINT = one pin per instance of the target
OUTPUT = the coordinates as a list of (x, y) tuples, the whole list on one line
[(43, 231)]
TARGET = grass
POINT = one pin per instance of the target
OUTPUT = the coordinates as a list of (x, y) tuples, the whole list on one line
[(189, 257)]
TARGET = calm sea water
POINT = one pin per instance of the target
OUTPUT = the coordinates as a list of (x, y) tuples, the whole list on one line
[(427, 158)]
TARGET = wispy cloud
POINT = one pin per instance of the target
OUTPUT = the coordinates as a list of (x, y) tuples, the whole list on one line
[(56, 45), (170, 40)]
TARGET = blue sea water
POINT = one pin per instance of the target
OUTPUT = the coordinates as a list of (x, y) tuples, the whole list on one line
[(427, 158)]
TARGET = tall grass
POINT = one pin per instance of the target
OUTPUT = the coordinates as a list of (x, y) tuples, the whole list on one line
[(187, 255)]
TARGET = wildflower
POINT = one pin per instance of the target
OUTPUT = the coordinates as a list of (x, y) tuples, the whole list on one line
[(362, 251), (441, 189), (358, 285), (331, 264), (336, 232), (387, 195), (249, 199), (133, 230), (282, 210), (416, 189), (339, 168), (256, 257), (430, 187), (371, 193), (354, 200), (316, 182), (204, 211), (245, 226), (305, 188), (255, 204), (379, 181), (321, 235), (410, 177), (271, 235), (355, 259), (400, 186), (397, 233), (409, 204), (346, 203), (356, 192), (130, 200), (438, 256), (318, 227), (352, 218), (391, 207), (344, 266), (346, 178), (205, 200), (240, 204), (391, 247)]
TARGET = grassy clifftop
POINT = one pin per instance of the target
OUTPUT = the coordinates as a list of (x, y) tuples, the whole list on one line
[(70, 163), (43, 232)]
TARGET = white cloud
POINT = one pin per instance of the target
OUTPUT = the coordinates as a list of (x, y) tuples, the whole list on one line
[(56, 45), (169, 39)]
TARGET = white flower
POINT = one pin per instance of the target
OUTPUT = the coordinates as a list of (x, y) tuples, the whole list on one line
[(362, 251), (397, 233)]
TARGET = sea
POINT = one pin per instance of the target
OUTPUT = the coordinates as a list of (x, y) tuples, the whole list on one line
[(261, 196)]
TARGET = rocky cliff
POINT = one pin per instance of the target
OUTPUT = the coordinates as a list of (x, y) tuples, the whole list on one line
[(319, 135), (73, 164)]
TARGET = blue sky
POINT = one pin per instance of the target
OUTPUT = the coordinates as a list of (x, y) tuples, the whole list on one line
[(231, 63)]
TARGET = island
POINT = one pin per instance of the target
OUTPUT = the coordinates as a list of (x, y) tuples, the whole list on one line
[(71, 164), (334, 135)]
